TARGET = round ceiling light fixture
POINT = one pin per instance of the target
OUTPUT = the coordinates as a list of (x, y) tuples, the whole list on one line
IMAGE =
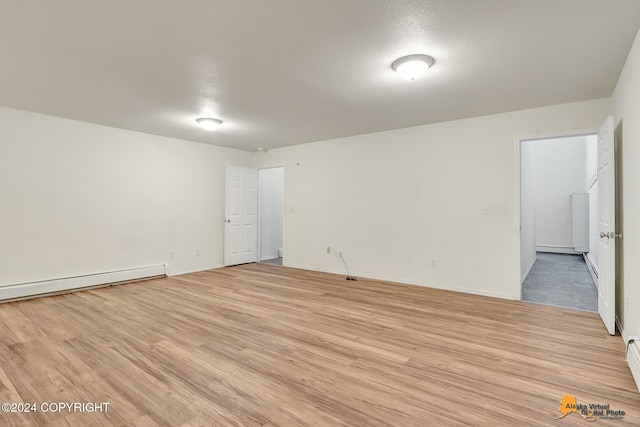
[(208, 123), (412, 66)]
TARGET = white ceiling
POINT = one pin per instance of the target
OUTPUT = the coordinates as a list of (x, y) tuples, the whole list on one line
[(284, 72)]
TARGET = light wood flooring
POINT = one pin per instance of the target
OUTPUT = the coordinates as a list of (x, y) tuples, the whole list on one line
[(262, 345)]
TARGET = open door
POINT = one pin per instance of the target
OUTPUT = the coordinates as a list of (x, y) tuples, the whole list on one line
[(271, 214), (241, 215), (607, 225)]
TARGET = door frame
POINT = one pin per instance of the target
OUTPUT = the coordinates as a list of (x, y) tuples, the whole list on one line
[(517, 291), (284, 204)]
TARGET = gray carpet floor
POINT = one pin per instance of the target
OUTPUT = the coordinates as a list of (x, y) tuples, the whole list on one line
[(561, 280)]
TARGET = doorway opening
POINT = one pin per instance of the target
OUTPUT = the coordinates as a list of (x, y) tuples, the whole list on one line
[(559, 221), (271, 215)]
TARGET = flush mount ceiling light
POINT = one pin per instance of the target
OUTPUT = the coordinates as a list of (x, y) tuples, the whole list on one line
[(413, 66), (209, 123)]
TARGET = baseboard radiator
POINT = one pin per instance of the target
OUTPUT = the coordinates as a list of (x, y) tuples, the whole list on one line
[(592, 268), (633, 359), (556, 249), (66, 284)]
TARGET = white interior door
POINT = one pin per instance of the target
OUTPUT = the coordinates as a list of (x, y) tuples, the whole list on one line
[(607, 225), (241, 215)]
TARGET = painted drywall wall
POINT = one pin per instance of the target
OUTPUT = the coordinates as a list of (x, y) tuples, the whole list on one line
[(558, 170), (271, 211), (592, 188), (626, 99), (398, 202), (79, 198), (527, 210)]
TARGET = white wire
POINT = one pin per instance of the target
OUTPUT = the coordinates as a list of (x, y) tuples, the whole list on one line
[(345, 265)]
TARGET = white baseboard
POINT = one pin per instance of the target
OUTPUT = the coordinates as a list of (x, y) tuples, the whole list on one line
[(526, 273), (633, 354), (592, 268), (45, 287), (408, 282), (557, 249)]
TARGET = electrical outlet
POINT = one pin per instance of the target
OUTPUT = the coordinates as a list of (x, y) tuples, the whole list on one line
[(328, 249), (172, 255), (433, 263), (338, 252), (197, 252)]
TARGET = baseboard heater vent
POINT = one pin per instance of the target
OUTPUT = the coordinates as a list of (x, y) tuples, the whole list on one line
[(592, 268), (66, 284), (633, 358)]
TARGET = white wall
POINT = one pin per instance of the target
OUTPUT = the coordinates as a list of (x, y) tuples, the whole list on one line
[(626, 100), (393, 201), (271, 202), (558, 170), (79, 198), (592, 186), (527, 210)]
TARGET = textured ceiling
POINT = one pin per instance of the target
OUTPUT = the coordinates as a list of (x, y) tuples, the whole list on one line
[(284, 72)]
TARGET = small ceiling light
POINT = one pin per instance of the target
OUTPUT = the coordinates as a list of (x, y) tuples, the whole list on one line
[(208, 123), (413, 66)]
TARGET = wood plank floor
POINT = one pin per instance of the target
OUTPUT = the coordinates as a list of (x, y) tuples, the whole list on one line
[(261, 345)]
